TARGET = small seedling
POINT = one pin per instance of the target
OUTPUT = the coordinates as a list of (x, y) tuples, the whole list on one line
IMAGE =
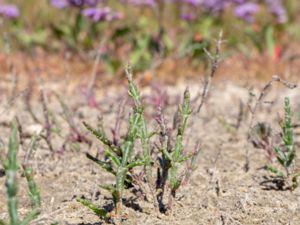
[(261, 137), (173, 155), (253, 111), (11, 168), (285, 153), (120, 158), (143, 133)]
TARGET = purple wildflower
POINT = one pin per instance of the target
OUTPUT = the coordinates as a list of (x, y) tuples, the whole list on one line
[(193, 2), (246, 11), (92, 3), (215, 6), (60, 4), (188, 17), (150, 3), (239, 2), (77, 3), (101, 14), (74, 3), (276, 7), (10, 11)]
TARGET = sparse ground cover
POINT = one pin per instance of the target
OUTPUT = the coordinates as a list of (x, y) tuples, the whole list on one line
[(201, 127), (219, 191)]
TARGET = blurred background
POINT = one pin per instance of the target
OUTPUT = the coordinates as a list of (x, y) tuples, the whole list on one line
[(161, 38)]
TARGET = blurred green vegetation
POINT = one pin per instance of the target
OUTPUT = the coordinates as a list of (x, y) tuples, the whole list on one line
[(146, 34)]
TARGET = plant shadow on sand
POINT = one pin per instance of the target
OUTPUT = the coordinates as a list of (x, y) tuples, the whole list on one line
[(275, 183), (131, 203), (98, 223), (109, 207)]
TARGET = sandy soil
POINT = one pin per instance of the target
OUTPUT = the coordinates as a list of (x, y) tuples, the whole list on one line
[(219, 192)]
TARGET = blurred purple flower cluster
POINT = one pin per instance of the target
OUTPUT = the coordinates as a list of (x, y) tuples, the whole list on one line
[(243, 9), (213, 6), (74, 3), (150, 3), (246, 11), (9, 11), (90, 9), (276, 7), (101, 14)]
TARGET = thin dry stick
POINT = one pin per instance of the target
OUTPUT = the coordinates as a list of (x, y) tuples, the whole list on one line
[(192, 164), (117, 127), (12, 100), (94, 71), (94, 74), (14, 80), (28, 106), (75, 134), (137, 181), (20, 129), (240, 115), (47, 125), (49, 216), (253, 111), (213, 180), (264, 93), (214, 61)]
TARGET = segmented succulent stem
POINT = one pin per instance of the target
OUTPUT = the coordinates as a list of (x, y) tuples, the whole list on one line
[(143, 132), (121, 156), (288, 137), (11, 168), (34, 192), (177, 156), (286, 155)]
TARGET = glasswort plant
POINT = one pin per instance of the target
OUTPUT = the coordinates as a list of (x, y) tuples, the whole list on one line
[(121, 158), (286, 154), (173, 155), (11, 168)]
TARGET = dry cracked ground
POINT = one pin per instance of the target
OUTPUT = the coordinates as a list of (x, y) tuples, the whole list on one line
[(219, 191)]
